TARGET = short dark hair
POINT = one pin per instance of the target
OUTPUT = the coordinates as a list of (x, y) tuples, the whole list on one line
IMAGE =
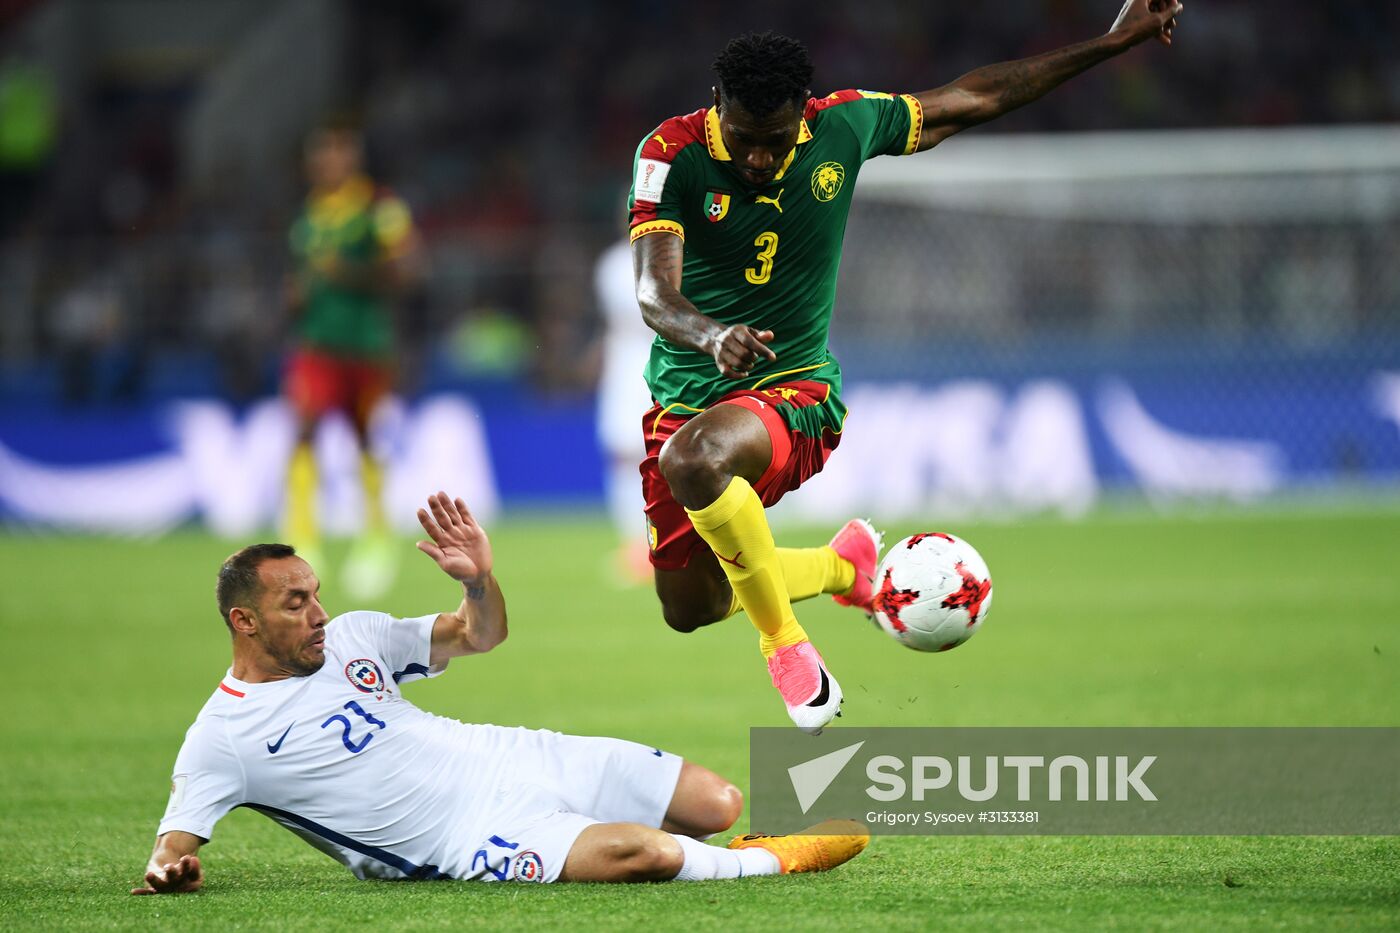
[(239, 583), (762, 71)]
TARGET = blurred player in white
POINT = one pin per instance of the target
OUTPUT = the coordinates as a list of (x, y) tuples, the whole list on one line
[(622, 396), (309, 727)]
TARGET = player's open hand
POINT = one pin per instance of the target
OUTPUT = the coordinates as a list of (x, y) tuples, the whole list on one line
[(175, 878), (738, 349), (1141, 20), (459, 544)]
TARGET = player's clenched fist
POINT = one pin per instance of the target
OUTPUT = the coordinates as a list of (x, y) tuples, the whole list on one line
[(738, 348), (1141, 20)]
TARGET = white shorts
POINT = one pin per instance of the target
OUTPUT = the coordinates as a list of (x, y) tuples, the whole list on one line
[(556, 786)]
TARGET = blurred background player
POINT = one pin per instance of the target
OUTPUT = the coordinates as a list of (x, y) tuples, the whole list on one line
[(738, 213), (622, 392), (355, 250)]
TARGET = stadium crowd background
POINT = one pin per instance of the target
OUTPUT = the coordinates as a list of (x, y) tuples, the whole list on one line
[(509, 128), (1172, 278)]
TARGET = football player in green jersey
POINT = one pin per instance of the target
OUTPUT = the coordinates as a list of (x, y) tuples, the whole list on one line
[(355, 247), (737, 216)]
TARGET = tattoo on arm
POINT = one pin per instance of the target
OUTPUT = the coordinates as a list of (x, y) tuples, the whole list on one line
[(665, 258), (659, 266), (1024, 81), (476, 591), (992, 90)]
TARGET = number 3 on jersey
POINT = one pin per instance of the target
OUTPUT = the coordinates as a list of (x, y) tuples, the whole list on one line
[(767, 243)]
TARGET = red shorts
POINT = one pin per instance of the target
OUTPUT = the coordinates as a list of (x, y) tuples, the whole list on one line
[(318, 382), (796, 459)]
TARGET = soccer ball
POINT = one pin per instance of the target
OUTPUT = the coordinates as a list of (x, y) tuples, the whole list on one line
[(932, 592)]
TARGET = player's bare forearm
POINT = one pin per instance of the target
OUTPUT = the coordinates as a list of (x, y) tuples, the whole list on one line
[(657, 261), (475, 627), (459, 546), (988, 92), (735, 348), (174, 866)]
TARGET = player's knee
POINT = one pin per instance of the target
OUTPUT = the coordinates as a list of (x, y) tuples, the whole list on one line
[(715, 809), (695, 468), (726, 804)]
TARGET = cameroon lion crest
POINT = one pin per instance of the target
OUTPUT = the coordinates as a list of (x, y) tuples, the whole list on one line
[(827, 179)]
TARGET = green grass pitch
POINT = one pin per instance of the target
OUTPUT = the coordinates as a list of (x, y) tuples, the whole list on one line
[(112, 647)]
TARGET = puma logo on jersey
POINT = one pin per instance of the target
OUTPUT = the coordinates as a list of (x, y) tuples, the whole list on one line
[(664, 144), (760, 199)]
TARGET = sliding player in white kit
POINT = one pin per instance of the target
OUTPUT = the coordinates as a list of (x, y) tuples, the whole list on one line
[(309, 727)]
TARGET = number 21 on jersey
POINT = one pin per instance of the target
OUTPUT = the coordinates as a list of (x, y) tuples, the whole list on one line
[(767, 243), (354, 746)]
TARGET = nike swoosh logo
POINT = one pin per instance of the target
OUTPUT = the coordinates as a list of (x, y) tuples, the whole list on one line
[(273, 749), (824, 693), (657, 753)]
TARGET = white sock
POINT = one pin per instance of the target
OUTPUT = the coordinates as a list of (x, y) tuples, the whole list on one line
[(705, 862)]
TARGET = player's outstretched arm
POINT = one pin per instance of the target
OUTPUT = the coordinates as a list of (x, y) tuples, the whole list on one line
[(174, 866), (461, 549), (990, 91), (656, 263)]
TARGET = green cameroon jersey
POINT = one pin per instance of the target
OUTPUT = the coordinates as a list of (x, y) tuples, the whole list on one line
[(766, 257), (352, 227)]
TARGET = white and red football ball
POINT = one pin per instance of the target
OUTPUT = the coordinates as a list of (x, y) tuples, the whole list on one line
[(932, 592)]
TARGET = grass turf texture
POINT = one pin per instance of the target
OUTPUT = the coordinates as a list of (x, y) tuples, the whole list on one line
[(1244, 620)]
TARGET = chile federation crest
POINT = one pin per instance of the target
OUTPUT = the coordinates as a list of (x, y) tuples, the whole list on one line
[(365, 675)]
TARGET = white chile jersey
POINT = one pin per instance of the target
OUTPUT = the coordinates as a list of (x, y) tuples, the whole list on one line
[(343, 760)]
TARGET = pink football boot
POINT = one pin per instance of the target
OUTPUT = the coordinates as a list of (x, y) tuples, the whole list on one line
[(859, 543)]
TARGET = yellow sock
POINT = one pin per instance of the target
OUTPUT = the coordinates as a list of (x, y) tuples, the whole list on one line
[(736, 529), (811, 571), (808, 572), (372, 480), (301, 528)]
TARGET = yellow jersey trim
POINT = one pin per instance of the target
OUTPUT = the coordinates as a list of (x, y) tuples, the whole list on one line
[(916, 122), (804, 369), (786, 162), (336, 206), (657, 226), (665, 411), (825, 398), (714, 140)]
